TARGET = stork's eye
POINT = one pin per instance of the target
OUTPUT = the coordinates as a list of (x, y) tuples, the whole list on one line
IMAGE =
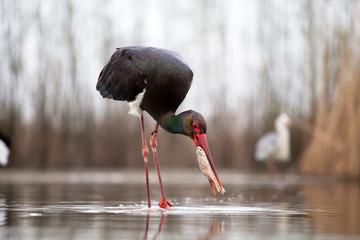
[(196, 127)]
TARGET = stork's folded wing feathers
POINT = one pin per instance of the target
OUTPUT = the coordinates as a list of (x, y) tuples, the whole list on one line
[(266, 147), (120, 79)]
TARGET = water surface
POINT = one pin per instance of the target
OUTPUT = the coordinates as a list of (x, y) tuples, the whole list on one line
[(254, 207)]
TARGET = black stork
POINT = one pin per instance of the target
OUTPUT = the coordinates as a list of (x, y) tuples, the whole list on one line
[(156, 81)]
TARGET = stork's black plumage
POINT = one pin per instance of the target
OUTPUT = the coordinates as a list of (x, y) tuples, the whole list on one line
[(162, 73), (164, 79)]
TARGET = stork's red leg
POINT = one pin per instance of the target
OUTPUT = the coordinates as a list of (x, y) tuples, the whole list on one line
[(163, 202), (271, 166), (145, 153)]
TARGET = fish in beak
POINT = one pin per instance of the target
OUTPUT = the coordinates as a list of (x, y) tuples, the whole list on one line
[(206, 163)]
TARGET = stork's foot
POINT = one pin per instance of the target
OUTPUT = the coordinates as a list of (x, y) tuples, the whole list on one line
[(164, 203)]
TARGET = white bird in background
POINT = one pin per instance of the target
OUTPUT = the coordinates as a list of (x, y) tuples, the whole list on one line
[(275, 146), (4, 150)]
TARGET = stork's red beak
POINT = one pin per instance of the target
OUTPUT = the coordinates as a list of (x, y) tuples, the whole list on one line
[(200, 141)]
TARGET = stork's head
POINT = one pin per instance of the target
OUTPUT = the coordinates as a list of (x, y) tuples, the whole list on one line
[(194, 126), (283, 120)]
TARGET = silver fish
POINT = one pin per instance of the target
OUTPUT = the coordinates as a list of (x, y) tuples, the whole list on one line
[(205, 168)]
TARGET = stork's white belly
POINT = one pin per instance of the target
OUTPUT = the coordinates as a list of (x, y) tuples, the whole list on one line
[(135, 105)]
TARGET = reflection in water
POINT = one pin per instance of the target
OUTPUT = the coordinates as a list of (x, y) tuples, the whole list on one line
[(160, 225), (2, 213), (214, 230), (146, 227), (162, 216), (338, 201), (80, 211)]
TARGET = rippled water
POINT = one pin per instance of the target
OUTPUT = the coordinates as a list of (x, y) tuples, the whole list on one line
[(272, 208)]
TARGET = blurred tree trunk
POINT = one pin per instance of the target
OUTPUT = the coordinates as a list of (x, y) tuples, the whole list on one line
[(13, 57), (72, 95), (43, 120), (312, 53)]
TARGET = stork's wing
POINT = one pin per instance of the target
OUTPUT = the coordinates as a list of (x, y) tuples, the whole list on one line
[(120, 79), (266, 147)]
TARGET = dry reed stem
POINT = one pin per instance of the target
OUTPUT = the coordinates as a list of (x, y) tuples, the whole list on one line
[(342, 122)]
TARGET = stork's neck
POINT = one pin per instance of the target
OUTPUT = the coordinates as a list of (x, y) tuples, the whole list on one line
[(284, 141), (282, 130), (172, 123)]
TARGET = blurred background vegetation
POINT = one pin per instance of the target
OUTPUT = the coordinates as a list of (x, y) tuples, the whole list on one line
[(251, 60)]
